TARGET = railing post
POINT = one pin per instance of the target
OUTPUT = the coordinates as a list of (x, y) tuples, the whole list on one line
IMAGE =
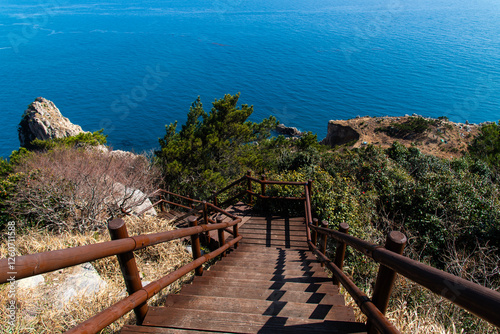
[(249, 187), (205, 221), (322, 249), (118, 230), (314, 236), (215, 198), (309, 186), (340, 252), (222, 240), (263, 191), (205, 212), (195, 244), (263, 185), (235, 234), (162, 204), (396, 242)]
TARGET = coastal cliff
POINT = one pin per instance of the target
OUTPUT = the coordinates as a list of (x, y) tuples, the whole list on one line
[(43, 120), (438, 137)]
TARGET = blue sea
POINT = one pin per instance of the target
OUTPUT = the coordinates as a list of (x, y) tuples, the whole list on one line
[(131, 67)]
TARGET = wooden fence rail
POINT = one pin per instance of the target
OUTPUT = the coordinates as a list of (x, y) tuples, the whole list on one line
[(481, 301), (122, 246)]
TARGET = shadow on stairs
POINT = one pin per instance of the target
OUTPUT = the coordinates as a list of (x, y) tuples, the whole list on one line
[(271, 283)]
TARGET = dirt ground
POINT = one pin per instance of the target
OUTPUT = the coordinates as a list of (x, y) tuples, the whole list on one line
[(445, 139)]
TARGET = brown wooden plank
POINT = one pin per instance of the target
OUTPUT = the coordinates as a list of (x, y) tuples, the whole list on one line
[(273, 285), (246, 323), (267, 271), (256, 306), (226, 263), (129, 329), (265, 294)]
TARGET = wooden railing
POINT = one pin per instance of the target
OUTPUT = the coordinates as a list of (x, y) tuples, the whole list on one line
[(122, 245), (263, 182), (481, 301)]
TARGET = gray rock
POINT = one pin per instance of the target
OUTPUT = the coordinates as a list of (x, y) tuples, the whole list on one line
[(338, 134), (288, 131), (84, 281), (30, 282), (133, 200), (42, 120)]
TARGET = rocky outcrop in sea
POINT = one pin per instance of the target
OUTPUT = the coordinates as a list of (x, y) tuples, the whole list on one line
[(42, 120)]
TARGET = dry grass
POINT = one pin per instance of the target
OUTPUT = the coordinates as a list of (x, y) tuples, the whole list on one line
[(37, 310)]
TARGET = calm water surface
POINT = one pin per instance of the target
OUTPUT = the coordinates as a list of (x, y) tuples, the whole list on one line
[(131, 67)]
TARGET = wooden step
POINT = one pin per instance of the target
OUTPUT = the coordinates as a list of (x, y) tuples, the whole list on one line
[(276, 262), (264, 224), (265, 294), (230, 322), (274, 285), (315, 277), (130, 329), (250, 265), (251, 227), (270, 256), (272, 236), (265, 271), (291, 244), (247, 232), (263, 307), (271, 283)]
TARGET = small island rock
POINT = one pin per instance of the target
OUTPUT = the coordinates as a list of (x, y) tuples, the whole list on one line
[(288, 131), (42, 120)]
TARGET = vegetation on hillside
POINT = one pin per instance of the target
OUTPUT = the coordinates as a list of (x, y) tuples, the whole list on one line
[(412, 127), (211, 148), (449, 209), (486, 146), (84, 139)]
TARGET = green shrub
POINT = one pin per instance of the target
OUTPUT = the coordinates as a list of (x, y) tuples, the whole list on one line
[(486, 145), (413, 126), (82, 139), (223, 142)]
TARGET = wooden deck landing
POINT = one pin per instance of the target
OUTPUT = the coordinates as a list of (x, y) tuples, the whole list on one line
[(271, 284)]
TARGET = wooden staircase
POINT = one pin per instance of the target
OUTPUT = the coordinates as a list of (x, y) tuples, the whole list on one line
[(271, 283)]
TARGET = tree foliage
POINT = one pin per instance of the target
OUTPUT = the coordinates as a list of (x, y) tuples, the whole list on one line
[(212, 147), (486, 145), (82, 139)]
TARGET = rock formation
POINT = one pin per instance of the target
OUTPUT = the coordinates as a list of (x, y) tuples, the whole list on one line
[(288, 131), (42, 120), (339, 134)]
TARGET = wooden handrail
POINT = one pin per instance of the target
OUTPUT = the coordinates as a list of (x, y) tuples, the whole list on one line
[(189, 199), (249, 191), (229, 186), (362, 300), (34, 264), (290, 183), (116, 311), (158, 191), (481, 301), (475, 298)]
